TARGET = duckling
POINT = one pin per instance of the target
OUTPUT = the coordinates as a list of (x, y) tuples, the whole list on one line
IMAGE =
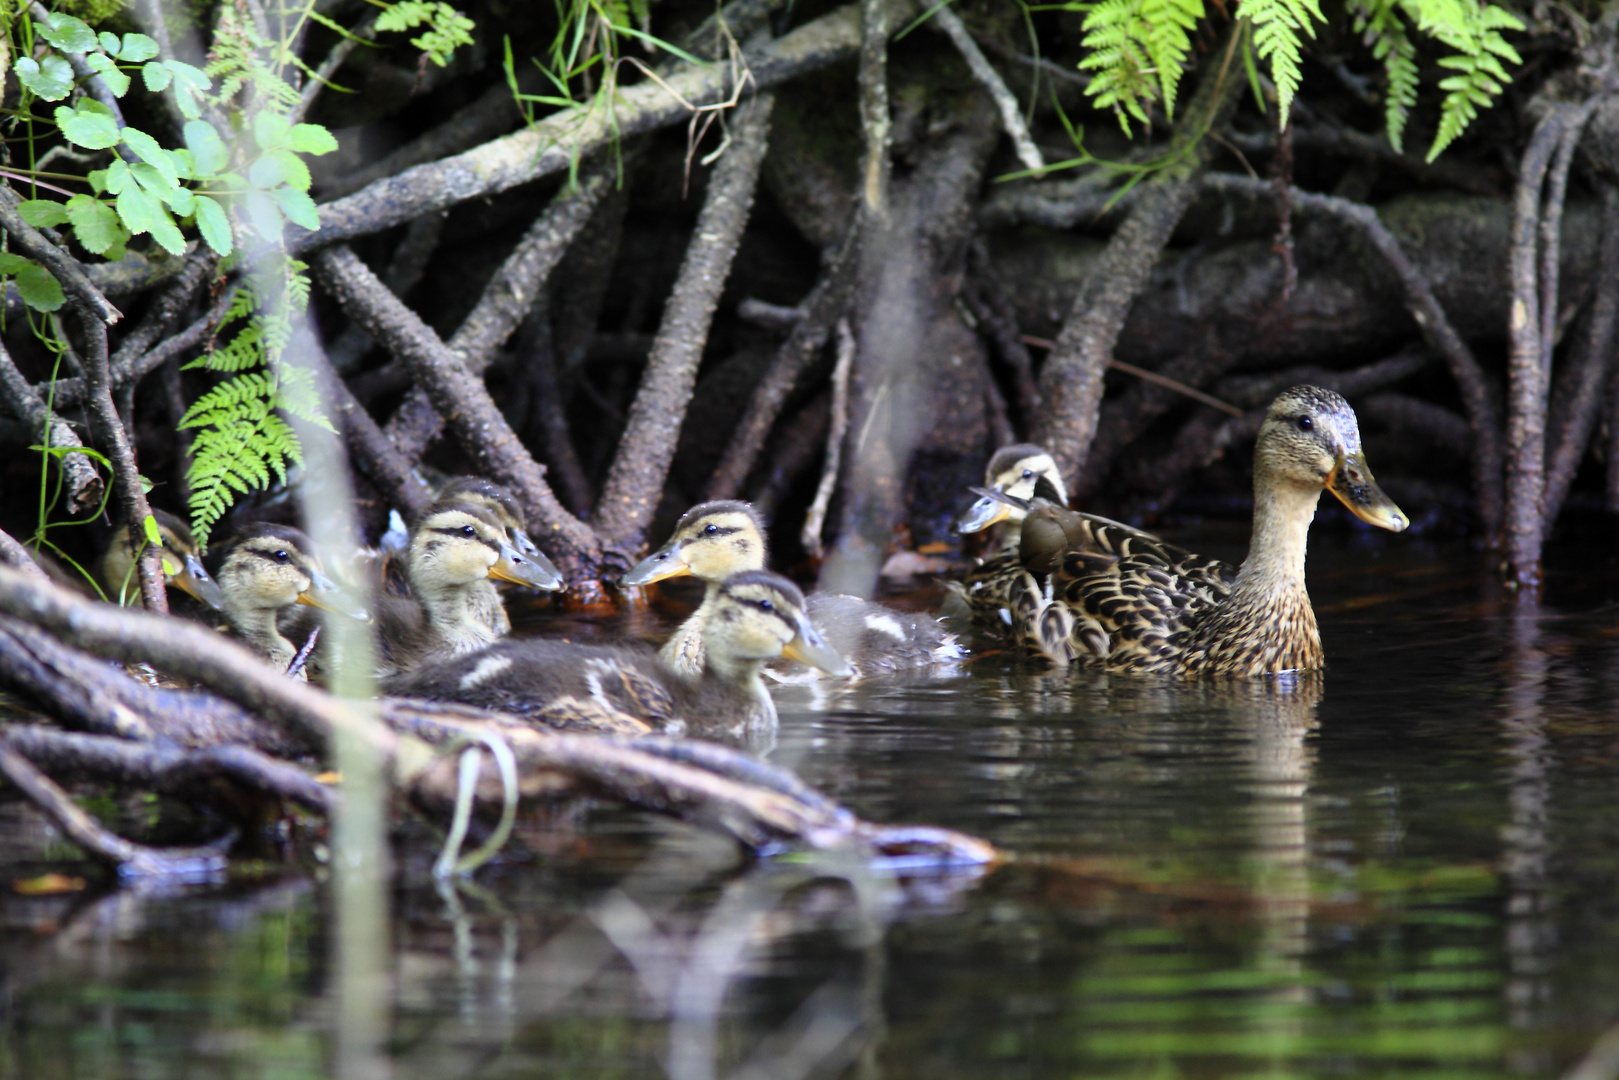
[(264, 570), (453, 608), (713, 540), (1025, 472), (1129, 601), (182, 567), (754, 617)]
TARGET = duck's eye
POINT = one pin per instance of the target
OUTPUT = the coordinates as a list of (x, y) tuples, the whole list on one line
[(1028, 474), (281, 556), (766, 605), (468, 530), (1306, 424), (711, 530)]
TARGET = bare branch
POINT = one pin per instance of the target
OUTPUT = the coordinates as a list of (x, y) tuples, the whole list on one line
[(64, 267), (1011, 114)]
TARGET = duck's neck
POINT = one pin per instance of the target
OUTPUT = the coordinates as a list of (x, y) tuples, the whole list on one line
[(1012, 534), (1282, 516), (256, 626), (451, 611), (742, 677)]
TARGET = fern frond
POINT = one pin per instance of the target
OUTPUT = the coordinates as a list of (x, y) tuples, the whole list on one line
[(1280, 27), (1380, 26), (1473, 29), (1138, 50)]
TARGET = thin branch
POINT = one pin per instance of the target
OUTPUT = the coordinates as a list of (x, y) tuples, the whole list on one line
[(548, 416), (64, 267), (16, 556), (83, 482), (836, 431), (875, 122), (636, 479), (1011, 113), (362, 33)]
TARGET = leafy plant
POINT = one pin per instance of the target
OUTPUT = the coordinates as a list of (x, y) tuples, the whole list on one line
[(446, 27), (1138, 53)]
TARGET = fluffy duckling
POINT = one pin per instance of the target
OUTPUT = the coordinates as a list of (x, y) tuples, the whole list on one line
[(1128, 601), (1025, 472), (455, 551), (182, 567), (714, 540), (754, 617), (264, 570)]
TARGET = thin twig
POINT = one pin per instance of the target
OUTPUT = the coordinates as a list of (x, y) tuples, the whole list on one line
[(63, 266), (1011, 114), (1150, 376), (836, 430)]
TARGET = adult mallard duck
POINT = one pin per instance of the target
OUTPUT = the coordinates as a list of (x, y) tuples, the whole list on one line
[(182, 566), (1131, 602), (754, 617), (453, 608), (1025, 472), (714, 540), (264, 570)]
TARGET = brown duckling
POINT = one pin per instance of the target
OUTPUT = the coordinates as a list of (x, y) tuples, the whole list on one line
[(1025, 472), (714, 540), (754, 617), (182, 567), (264, 570), (1125, 599), (453, 608)]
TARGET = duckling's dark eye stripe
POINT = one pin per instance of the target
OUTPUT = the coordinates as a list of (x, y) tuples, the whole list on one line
[(721, 530), (459, 535), (269, 557)]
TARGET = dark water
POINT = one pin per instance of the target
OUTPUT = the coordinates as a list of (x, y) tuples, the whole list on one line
[(1405, 868)]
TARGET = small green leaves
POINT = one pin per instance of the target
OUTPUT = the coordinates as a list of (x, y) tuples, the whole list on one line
[(116, 80), (208, 152), (135, 48), (96, 225), (298, 206), (1280, 27), (311, 139), (51, 78), (65, 32), (446, 27), (89, 124), (41, 213), (35, 284), (189, 84), (271, 130), (213, 223), (153, 535)]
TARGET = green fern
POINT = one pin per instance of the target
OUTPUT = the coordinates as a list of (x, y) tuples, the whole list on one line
[(1138, 51), (1473, 29), (242, 443), (238, 57), (1379, 23), (1280, 27)]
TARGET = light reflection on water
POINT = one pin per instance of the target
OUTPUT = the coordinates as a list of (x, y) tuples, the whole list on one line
[(1403, 868)]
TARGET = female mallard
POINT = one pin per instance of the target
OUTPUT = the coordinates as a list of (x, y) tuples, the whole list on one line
[(1133, 603), (263, 571), (714, 540), (1024, 472), (455, 550), (754, 617), (182, 568)]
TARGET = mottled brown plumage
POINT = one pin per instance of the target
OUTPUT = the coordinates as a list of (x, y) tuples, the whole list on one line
[(1026, 473), (1124, 599)]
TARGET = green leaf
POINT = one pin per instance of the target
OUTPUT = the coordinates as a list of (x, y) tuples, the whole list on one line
[(116, 177), (136, 48), (95, 224), (271, 130), (90, 124), (263, 214), (312, 139), (156, 77), (293, 169), (267, 172), (147, 149), (51, 79), (42, 212), (138, 209), (167, 233), (13, 264), (299, 207), (109, 42), (214, 224), (116, 80), (66, 32), (178, 199), (154, 536), (207, 148), (38, 289)]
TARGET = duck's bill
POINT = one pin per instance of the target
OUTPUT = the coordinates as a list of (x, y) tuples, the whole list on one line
[(984, 513), (1351, 480), (192, 579), (808, 647), (323, 593), (661, 564), (520, 569)]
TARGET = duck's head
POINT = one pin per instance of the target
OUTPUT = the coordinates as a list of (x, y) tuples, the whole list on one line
[(759, 616), (182, 566), (1025, 472), (267, 567), (1311, 440), (478, 493), (711, 541), (457, 544)]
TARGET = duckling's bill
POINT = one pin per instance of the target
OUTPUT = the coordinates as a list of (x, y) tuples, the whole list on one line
[(323, 593), (1351, 480), (535, 571), (984, 513), (808, 647), (664, 563), (192, 578)]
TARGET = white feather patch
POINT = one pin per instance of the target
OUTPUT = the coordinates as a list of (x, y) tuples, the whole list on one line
[(488, 667), (886, 624)]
